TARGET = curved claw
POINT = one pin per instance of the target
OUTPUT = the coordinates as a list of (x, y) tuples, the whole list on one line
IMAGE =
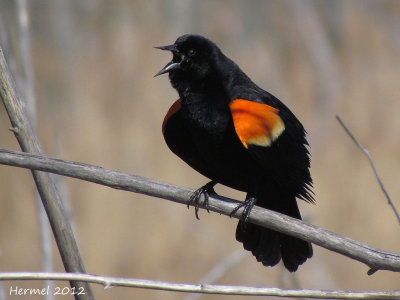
[(248, 204), (195, 198)]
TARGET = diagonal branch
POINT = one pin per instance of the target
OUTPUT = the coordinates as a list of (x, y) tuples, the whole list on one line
[(52, 203), (108, 282), (378, 178), (375, 258), (220, 270)]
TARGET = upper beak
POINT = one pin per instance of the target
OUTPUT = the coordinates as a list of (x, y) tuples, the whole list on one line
[(171, 48), (172, 65)]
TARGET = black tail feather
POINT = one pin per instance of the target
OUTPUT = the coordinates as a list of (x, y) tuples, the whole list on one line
[(269, 246), (294, 252), (263, 243)]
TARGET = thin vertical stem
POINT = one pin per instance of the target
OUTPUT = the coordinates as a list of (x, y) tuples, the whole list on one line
[(378, 178), (30, 102), (29, 142)]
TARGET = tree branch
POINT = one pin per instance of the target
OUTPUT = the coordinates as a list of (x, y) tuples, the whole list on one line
[(108, 282), (52, 203), (375, 258)]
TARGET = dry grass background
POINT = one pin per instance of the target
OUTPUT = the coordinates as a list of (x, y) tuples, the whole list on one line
[(98, 103)]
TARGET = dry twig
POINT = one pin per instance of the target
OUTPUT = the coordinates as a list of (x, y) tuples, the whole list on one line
[(220, 270), (366, 153), (108, 282)]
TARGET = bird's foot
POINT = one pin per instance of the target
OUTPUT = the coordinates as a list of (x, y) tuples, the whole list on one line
[(205, 190), (248, 204)]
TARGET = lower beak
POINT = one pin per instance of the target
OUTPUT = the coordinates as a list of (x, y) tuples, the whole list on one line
[(168, 68)]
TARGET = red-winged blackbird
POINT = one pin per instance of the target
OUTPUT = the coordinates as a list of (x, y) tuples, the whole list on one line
[(235, 133)]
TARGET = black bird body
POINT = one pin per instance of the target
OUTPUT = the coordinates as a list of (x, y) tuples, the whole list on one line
[(235, 133)]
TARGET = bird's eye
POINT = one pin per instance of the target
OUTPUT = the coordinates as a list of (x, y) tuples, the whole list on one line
[(191, 52)]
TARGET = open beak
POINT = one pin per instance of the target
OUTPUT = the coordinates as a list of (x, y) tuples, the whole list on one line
[(172, 65)]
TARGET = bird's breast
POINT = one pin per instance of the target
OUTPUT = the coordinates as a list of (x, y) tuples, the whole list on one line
[(206, 117)]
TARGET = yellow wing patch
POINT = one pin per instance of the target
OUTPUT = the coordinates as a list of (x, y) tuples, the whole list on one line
[(256, 123)]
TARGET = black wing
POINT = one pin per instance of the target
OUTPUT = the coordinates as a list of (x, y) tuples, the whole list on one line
[(276, 139)]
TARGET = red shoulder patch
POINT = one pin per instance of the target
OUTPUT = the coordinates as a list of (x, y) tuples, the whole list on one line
[(256, 123), (172, 110)]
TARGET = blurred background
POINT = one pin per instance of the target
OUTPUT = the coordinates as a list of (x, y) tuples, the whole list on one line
[(87, 69)]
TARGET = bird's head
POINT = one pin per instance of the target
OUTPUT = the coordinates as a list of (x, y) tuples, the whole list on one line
[(193, 57)]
